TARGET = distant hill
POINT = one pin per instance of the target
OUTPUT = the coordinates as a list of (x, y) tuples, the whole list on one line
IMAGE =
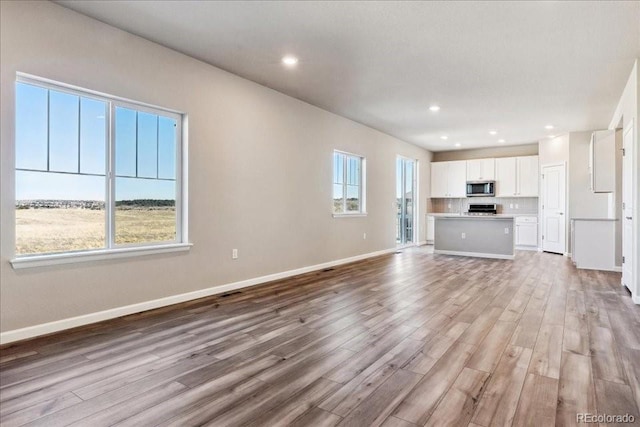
[(92, 204), (147, 203)]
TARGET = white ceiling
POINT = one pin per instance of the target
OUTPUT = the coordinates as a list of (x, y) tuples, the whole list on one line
[(510, 66)]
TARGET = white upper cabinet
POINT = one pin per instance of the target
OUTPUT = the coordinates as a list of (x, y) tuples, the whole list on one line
[(514, 176), (481, 170), (527, 176), (517, 177), (439, 187), (506, 177), (458, 179), (449, 179)]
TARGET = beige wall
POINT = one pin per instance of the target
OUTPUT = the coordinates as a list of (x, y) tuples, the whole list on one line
[(259, 170), (484, 153), (583, 202), (555, 150)]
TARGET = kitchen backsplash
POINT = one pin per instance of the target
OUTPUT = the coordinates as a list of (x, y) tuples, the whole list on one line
[(526, 205)]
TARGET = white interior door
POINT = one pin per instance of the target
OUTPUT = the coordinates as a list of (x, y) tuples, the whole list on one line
[(554, 208), (627, 210)]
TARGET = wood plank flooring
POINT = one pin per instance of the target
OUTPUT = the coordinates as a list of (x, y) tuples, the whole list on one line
[(404, 339)]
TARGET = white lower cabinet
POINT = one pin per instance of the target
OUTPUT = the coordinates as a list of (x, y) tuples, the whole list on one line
[(527, 232), (593, 244), (431, 229)]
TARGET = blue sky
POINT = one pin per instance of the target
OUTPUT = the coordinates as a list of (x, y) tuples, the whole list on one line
[(78, 142)]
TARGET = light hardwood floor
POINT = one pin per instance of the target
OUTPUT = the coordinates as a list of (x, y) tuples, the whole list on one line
[(398, 340)]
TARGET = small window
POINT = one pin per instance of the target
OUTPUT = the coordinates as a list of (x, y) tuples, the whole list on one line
[(94, 172), (348, 184)]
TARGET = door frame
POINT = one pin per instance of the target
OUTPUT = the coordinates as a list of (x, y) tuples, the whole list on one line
[(416, 202), (566, 204), (630, 127)]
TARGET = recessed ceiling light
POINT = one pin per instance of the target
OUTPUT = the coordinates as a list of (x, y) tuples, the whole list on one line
[(457, 144), (501, 141), (493, 132), (434, 108), (445, 137), (548, 127), (289, 60), (552, 136)]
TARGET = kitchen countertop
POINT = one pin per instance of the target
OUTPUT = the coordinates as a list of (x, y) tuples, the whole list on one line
[(457, 215), (469, 217)]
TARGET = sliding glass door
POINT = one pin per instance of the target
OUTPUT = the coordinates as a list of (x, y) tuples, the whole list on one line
[(406, 199)]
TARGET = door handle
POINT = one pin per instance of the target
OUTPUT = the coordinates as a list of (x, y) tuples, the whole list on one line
[(629, 218), (560, 213)]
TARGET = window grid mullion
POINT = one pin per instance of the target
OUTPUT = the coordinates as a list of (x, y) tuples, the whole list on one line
[(79, 127), (48, 129), (157, 147), (137, 114)]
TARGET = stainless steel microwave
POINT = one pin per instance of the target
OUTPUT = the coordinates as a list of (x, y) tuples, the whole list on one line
[(481, 188)]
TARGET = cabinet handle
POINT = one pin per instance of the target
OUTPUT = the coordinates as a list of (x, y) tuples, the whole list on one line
[(629, 218)]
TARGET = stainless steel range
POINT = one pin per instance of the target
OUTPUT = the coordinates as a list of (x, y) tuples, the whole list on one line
[(482, 209)]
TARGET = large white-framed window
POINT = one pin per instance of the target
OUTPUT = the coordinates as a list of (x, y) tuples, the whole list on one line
[(349, 184), (95, 174)]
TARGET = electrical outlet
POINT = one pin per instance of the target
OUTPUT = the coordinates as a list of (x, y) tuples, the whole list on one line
[(364, 236), (517, 206), (464, 235), (506, 230), (510, 205), (449, 206), (234, 254)]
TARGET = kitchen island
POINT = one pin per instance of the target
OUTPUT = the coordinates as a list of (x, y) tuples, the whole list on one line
[(489, 236)]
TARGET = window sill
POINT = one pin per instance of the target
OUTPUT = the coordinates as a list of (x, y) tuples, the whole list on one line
[(96, 255), (350, 215)]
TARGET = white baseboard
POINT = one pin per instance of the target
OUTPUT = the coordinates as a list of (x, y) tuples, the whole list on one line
[(527, 248), (636, 299), (473, 254), (613, 269), (617, 268), (422, 243), (86, 319)]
